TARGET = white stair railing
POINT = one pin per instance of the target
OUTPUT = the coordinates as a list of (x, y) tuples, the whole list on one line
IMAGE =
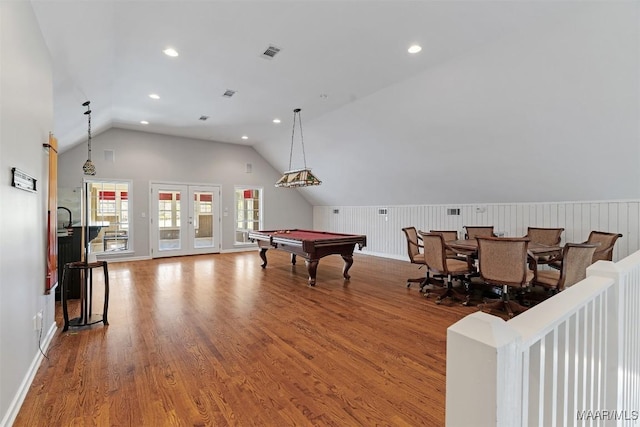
[(573, 360)]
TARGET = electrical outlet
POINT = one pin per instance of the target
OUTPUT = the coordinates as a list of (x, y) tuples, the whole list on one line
[(37, 321)]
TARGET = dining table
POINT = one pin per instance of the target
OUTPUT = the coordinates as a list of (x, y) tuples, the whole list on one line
[(470, 247)]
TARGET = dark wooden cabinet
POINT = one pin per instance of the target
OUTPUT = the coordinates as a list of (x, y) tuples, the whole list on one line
[(70, 249)]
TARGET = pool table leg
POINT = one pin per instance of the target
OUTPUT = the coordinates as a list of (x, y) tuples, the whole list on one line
[(263, 255), (312, 267), (293, 259), (348, 262)]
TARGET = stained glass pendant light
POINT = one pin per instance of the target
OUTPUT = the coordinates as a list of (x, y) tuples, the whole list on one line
[(298, 177), (89, 168)]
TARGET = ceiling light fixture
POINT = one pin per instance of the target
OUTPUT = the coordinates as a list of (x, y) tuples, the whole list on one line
[(298, 177), (89, 168), (154, 96), (276, 120), (414, 48), (144, 122), (244, 137), (170, 52)]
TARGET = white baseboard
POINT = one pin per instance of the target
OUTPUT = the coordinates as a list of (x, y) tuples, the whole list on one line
[(240, 249), (16, 403), (124, 259)]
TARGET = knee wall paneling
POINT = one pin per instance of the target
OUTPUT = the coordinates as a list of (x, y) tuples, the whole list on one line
[(383, 224)]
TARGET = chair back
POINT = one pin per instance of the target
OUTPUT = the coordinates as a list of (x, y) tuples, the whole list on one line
[(474, 231), (575, 260), (435, 252), (503, 261), (545, 236), (413, 245), (606, 241), (448, 236)]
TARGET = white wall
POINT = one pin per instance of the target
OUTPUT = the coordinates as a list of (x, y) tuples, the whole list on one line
[(143, 157), (26, 117), (548, 114), (385, 237)]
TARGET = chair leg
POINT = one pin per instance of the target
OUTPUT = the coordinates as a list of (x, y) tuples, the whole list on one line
[(504, 305), (453, 294), (422, 280), (439, 285), (417, 280)]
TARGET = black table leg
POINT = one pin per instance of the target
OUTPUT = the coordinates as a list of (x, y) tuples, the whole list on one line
[(312, 267), (348, 262), (263, 255)]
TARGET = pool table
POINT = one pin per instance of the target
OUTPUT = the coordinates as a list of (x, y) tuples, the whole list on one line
[(311, 245)]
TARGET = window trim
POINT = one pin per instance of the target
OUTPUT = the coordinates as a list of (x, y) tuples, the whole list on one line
[(130, 227), (237, 188)]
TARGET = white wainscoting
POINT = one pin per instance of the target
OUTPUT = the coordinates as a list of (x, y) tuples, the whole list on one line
[(385, 237)]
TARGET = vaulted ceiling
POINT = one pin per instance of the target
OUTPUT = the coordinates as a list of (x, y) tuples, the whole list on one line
[(374, 115)]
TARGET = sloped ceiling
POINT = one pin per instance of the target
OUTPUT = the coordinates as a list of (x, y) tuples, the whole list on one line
[(499, 104)]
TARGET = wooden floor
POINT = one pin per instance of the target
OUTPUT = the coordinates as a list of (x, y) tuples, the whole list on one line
[(216, 340)]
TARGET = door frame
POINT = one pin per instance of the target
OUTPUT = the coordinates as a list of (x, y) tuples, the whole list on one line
[(186, 237)]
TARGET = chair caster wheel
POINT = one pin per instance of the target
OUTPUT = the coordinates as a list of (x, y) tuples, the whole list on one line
[(438, 302)]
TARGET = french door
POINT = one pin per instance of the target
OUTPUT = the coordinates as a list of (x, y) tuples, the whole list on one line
[(185, 219)]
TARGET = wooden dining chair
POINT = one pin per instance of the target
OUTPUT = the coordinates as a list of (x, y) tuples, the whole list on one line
[(576, 257), (545, 236), (439, 265), (473, 231), (605, 243), (415, 252), (503, 262), (449, 236)]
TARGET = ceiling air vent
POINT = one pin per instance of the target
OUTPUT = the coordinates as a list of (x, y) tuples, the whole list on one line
[(336, 211), (382, 211), (229, 93), (453, 211), (270, 52), (203, 118)]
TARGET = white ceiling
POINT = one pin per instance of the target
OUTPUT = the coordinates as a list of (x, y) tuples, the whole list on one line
[(110, 52), (333, 55)]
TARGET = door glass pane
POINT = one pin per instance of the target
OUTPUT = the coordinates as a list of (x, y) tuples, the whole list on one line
[(169, 220), (203, 219)]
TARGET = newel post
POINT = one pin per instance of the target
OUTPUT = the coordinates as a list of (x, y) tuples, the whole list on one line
[(484, 373)]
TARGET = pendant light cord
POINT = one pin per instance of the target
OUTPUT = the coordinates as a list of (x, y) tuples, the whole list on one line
[(296, 113), (88, 114)]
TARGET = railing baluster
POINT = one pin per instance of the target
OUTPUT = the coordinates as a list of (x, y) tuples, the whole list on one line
[(575, 357)]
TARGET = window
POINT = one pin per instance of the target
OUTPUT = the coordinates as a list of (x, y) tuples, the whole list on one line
[(169, 209), (248, 212), (109, 214)]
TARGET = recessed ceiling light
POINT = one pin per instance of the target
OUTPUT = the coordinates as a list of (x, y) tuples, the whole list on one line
[(414, 48), (170, 52), (276, 120), (154, 96), (144, 122), (245, 137)]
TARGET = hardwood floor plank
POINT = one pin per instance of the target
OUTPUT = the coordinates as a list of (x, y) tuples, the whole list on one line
[(217, 340)]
